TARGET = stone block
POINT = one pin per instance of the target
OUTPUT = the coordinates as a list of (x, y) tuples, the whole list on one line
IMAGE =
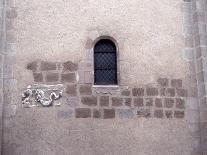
[(163, 82), (11, 13), (32, 66), (162, 91), (70, 66), (158, 102), (104, 101), (85, 90), (68, 77), (168, 102), (89, 100), (179, 114), (189, 42), (138, 102), (96, 113), (65, 114), (180, 103), (143, 113), (38, 77), (116, 101), (52, 77), (9, 110), (200, 77), (152, 91), (148, 101), (82, 113), (46, 66), (71, 90), (125, 113), (181, 92), (128, 102), (138, 91), (126, 93), (176, 83), (168, 114), (158, 113), (72, 101), (109, 113), (10, 36), (88, 77), (170, 92)]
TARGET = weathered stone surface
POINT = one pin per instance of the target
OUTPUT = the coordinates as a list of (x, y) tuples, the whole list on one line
[(168, 114), (143, 113), (168, 102), (158, 102), (126, 93), (176, 83), (181, 92), (125, 113), (71, 90), (109, 113), (9, 110), (180, 103), (96, 113), (11, 13), (46, 66), (70, 66), (128, 102), (88, 77), (32, 66), (152, 91), (148, 101), (85, 90), (89, 100), (52, 77), (163, 82), (72, 101), (38, 77), (162, 91), (158, 113), (138, 91), (179, 114), (82, 112), (104, 101), (170, 92), (65, 114), (138, 102), (116, 101), (69, 77)]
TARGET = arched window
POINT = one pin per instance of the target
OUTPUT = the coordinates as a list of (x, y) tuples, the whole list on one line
[(105, 63)]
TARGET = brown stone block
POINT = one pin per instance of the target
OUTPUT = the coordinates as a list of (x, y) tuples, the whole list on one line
[(125, 93), (163, 82), (180, 103), (85, 90), (162, 91), (116, 101), (128, 102), (38, 77), (70, 66), (179, 114), (152, 91), (71, 90), (109, 113), (158, 113), (52, 77), (169, 102), (170, 92), (168, 113), (181, 92), (82, 112), (138, 102), (104, 101), (69, 77), (96, 113), (46, 66), (138, 91), (143, 113), (158, 102), (32, 66), (148, 101), (89, 100), (176, 83)]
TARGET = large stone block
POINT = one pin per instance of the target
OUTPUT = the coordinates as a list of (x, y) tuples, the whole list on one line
[(104, 101), (109, 113), (85, 90), (163, 82), (52, 77), (46, 66), (158, 113), (152, 91), (116, 101), (138, 91), (176, 83), (170, 92), (70, 66), (180, 103), (71, 90), (38, 77), (143, 113), (125, 113), (68, 77), (89, 100), (82, 113), (32, 66), (168, 102), (96, 113), (179, 114), (138, 102)]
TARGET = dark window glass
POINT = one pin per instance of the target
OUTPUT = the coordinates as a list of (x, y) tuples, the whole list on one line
[(105, 63)]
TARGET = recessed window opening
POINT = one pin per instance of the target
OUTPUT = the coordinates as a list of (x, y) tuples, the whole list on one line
[(105, 63)]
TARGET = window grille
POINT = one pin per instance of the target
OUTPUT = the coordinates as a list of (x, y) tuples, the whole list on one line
[(105, 63)]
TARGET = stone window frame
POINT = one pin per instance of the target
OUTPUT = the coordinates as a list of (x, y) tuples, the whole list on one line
[(117, 57)]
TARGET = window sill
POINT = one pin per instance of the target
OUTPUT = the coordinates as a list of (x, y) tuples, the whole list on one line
[(105, 86)]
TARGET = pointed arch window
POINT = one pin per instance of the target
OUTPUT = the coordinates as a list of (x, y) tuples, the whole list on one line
[(105, 63)]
